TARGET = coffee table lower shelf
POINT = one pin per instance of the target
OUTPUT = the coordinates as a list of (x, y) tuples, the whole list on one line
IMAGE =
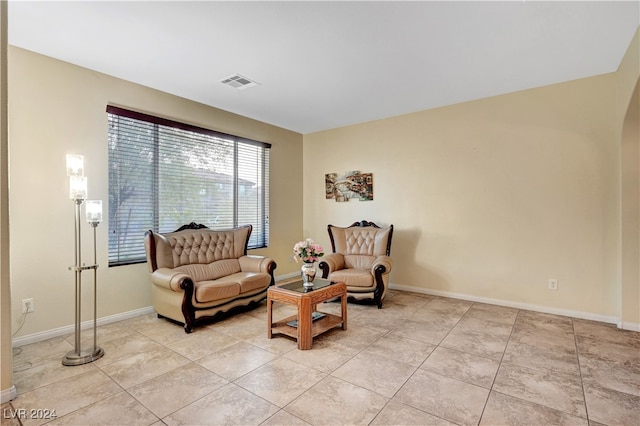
[(318, 326)]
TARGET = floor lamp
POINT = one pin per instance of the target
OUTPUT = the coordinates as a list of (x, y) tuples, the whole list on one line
[(78, 193)]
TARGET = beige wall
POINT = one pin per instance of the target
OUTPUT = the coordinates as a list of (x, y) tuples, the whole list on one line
[(489, 198), (630, 214), (58, 108), (628, 118), (7, 391)]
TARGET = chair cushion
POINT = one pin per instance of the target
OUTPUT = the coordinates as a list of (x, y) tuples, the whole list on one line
[(359, 261), (353, 277)]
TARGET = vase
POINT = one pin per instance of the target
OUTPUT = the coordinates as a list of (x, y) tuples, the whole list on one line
[(308, 271)]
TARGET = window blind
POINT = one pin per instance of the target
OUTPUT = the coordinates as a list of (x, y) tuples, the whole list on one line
[(164, 174)]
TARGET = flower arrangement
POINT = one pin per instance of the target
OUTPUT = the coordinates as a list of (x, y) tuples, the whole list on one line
[(308, 251)]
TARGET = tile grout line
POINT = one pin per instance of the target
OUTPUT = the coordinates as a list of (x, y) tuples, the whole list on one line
[(584, 394), (499, 365)]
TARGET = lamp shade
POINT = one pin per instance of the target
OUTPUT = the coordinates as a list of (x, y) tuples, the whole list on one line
[(78, 187), (93, 210), (75, 165)]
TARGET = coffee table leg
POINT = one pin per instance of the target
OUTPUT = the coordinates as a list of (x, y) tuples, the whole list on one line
[(305, 339), (269, 317), (343, 301)]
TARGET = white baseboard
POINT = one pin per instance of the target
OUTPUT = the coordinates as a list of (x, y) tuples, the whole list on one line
[(287, 276), (518, 305), (68, 329), (631, 326), (7, 395)]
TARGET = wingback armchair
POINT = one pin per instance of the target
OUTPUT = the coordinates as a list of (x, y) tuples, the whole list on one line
[(360, 259)]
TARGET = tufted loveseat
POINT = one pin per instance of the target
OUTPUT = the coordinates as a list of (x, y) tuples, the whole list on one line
[(200, 274)]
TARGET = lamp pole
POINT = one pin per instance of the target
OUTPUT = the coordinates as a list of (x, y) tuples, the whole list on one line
[(78, 193)]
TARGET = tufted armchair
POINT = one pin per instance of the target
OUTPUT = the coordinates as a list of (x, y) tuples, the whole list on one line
[(361, 260), (200, 274)]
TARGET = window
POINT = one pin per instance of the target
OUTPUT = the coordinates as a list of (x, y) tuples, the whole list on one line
[(164, 174)]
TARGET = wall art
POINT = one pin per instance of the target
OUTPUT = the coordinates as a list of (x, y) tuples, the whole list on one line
[(349, 185)]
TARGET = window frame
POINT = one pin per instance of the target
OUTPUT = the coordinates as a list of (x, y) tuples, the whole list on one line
[(263, 229)]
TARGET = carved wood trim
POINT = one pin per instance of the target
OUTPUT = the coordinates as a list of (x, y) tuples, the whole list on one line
[(188, 310), (152, 249), (191, 225), (363, 224), (389, 240), (325, 268), (272, 267), (225, 314), (246, 243)]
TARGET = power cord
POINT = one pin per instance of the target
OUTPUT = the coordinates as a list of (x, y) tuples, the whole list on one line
[(24, 319), (22, 365)]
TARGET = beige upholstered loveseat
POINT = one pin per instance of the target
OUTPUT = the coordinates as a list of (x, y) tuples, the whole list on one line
[(200, 274), (360, 259)]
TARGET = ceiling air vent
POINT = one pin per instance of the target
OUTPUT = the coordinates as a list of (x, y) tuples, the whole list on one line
[(239, 82)]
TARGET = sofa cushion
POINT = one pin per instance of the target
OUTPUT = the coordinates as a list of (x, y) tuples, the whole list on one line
[(223, 268), (230, 286), (197, 272), (208, 291), (210, 271), (250, 281)]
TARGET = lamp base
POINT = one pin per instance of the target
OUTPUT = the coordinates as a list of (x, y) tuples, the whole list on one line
[(84, 357)]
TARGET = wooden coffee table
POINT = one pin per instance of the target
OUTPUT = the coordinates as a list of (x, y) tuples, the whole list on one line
[(301, 326)]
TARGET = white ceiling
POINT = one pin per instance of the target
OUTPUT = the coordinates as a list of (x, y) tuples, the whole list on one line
[(323, 65)]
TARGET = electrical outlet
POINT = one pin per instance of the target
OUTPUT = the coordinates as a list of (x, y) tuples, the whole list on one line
[(553, 284), (27, 306)]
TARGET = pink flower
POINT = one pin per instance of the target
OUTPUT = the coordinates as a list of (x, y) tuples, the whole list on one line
[(308, 251)]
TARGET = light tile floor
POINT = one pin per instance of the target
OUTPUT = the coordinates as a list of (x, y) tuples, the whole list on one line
[(421, 360)]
